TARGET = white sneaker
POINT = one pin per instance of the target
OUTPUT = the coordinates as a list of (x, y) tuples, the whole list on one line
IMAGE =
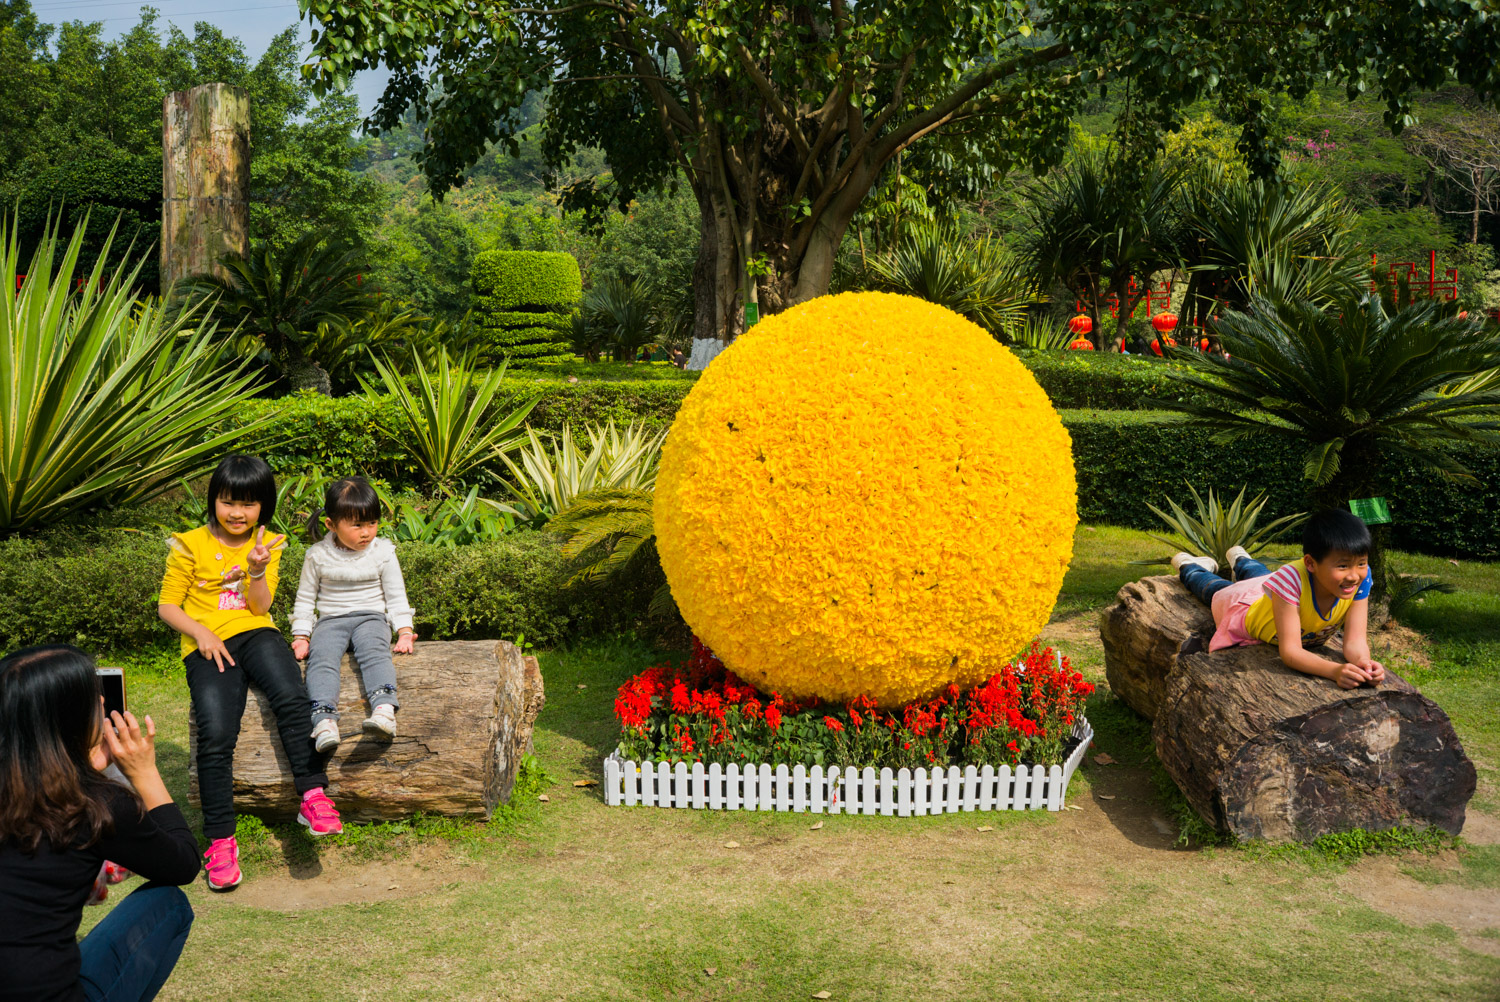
[(1182, 558), (1234, 553), (382, 720), (326, 734)]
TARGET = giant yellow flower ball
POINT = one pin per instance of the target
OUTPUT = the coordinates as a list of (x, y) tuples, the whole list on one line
[(866, 494)]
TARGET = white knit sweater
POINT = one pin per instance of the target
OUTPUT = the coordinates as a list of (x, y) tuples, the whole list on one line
[(336, 581)]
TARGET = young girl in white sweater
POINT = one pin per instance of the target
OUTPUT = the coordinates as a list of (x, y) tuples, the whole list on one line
[(351, 597)]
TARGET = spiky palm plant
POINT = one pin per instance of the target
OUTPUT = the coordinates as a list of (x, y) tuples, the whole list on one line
[(549, 475), (1350, 386), (1212, 528), (980, 279), (1267, 238), (623, 316), (449, 431), (104, 398), (280, 297)]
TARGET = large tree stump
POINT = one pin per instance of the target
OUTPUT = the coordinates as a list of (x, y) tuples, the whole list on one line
[(467, 711), (1263, 751), (205, 159)]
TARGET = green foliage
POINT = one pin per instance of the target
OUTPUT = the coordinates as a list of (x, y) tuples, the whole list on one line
[(451, 433), (619, 317), (977, 278), (1104, 380), (282, 297), (1352, 386), (1042, 333), (527, 280), (522, 302), (1212, 530), (548, 476), (54, 585), (1125, 457), (105, 400), (1269, 239), (452, 521)]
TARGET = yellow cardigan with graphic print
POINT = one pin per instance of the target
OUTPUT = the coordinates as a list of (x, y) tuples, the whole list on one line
[(196, 566)]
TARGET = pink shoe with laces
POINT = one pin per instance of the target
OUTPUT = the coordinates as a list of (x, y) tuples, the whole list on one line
[(222, 861), (319, 814)]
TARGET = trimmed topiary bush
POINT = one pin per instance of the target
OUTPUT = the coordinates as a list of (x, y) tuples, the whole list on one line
[(524, 301)]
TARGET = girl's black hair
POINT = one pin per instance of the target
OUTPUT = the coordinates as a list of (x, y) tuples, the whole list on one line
[(49, 723), (1333, 530), (347, 499), (243, 478)]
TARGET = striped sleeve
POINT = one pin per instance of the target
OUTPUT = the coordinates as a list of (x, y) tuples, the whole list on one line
[(1285, 583)]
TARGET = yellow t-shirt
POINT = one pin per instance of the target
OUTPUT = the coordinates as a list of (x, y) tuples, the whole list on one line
[(196, 567), (1292, 583)]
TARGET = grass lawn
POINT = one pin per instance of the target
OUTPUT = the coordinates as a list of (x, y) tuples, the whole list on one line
[(572, 900)]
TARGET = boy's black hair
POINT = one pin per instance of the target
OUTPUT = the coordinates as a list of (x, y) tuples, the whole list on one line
[(1333, 530), (243, 478), (350, 499)]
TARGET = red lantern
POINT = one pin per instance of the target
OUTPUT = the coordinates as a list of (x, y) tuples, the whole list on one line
[(1463, 314), (1164, 322), (1203, 345), (1081, 344), (1156, 345), (1081, 324)]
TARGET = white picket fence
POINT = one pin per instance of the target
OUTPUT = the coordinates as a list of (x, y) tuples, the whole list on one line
[(849, 791)]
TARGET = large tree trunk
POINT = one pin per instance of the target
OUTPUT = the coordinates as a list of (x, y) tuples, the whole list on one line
[(1262, 751), (467, 710)]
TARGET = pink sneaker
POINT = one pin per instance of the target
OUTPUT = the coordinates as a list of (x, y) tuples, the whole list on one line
[(223, 862), (318, 813)]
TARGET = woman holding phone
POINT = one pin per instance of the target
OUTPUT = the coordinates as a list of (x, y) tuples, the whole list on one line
[(61, 817)]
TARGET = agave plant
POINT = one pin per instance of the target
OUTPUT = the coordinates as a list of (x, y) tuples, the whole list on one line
[(607, 531), (104, 398), (980, 279), (1044, 333), (452, 521), (550, 474), (1212, 529), (448, 432)]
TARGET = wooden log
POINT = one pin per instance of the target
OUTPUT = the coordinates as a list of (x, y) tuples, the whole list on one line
[(205, 180), (1263, 751), (466, 717)]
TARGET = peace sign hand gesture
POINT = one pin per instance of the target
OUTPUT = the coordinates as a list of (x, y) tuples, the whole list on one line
[(260, 553)]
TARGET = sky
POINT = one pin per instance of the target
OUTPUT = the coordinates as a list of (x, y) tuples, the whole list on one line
[(253, 22)]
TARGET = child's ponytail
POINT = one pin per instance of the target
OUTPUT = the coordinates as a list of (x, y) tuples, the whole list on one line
[(315, 527)]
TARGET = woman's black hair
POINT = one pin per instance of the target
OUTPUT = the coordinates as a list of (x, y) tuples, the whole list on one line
[(347, 499), (243, 478), (1332, 530), (49, 724)]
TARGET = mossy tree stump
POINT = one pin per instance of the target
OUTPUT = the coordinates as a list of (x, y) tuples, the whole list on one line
[(1263, 751)]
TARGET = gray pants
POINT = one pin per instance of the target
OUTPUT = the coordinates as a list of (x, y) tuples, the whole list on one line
[(368, 634)]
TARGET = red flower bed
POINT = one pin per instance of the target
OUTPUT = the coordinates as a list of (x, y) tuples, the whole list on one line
[(702, 712)]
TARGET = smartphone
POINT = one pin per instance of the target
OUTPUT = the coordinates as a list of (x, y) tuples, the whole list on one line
[(112, 681)]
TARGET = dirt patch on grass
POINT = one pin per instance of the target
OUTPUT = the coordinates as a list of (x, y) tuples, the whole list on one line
[(1078, 628), (1470, 912), (336, 879), (1401, 646)]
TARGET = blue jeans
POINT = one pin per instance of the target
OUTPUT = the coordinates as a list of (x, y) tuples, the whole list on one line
[(1206, 584), (129, 954)]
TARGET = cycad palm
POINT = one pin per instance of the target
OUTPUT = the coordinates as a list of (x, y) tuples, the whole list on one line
[(281, 298), (607, 531), (1352, 385)]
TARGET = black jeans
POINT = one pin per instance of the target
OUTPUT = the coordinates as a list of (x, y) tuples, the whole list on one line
[(263, 659)]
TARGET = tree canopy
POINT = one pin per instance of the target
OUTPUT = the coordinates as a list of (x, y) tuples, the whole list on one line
[(780, 116)]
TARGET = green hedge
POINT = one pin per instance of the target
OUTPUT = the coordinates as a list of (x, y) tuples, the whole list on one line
[(527, 280), (1124, 458), (100, 591), (1091, 380), (501, 319)]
